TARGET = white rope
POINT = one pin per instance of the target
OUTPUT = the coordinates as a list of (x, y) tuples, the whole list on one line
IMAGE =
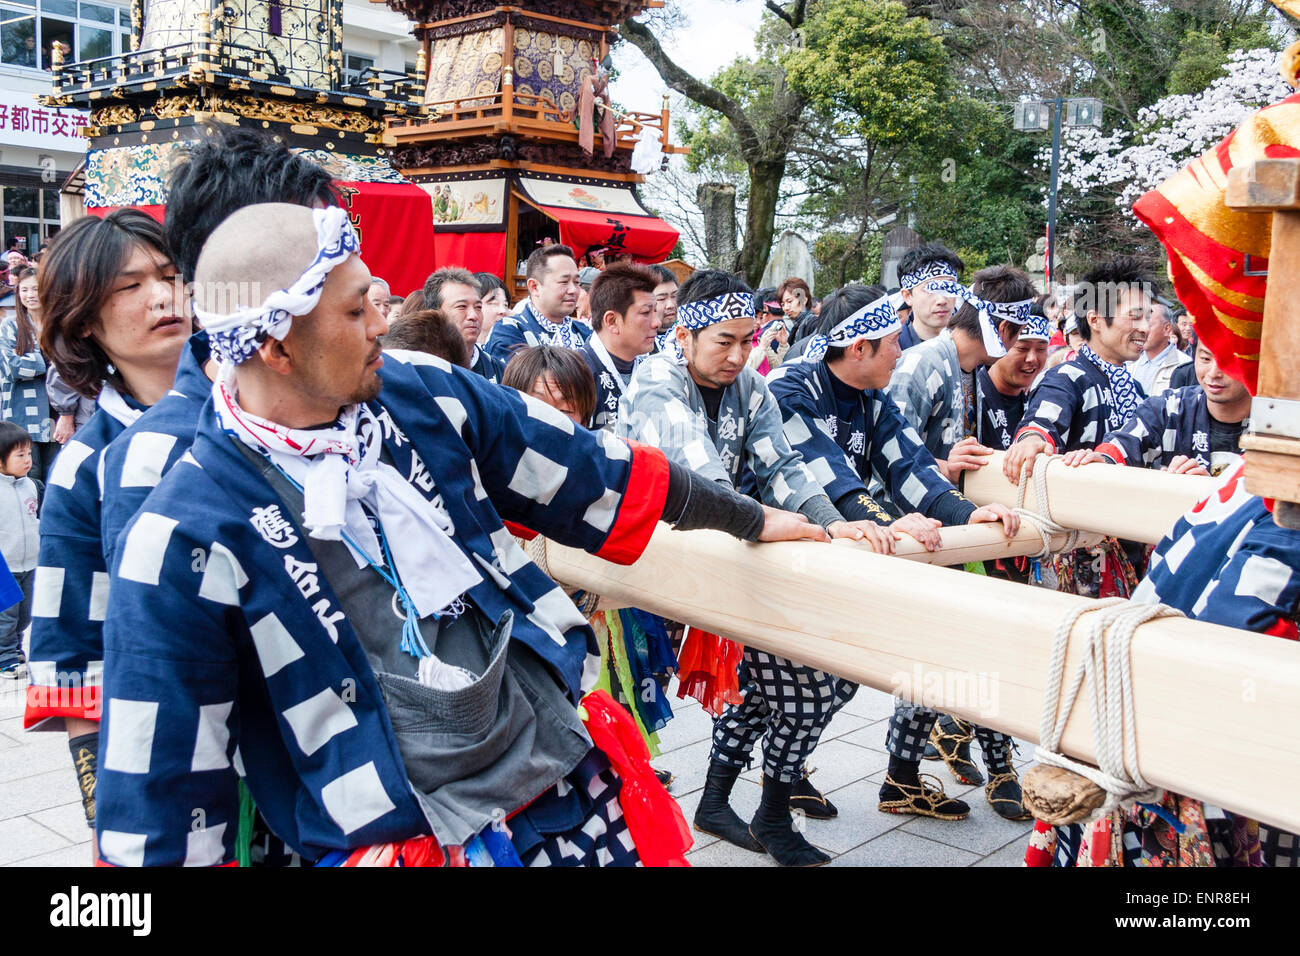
[(1106, 669), (535, 548), (1041, 519)]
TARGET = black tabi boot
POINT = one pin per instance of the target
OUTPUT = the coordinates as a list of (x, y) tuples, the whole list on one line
[(774, 828), (810, 800), (714, 815)]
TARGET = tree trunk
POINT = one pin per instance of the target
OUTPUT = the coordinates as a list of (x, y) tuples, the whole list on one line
[(760, 218), (717, 201)]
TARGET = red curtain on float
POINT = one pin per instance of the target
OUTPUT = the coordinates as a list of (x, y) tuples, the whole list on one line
[(648, 239), (475, 251), (395, 221), (396, 225)]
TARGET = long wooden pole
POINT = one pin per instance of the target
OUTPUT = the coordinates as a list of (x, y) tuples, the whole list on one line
[(1139, 504), (1208, 699)]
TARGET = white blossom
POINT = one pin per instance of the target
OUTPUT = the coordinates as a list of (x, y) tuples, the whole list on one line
[(1171, 132)]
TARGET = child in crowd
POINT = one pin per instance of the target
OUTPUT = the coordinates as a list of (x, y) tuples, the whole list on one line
[(19, 541)]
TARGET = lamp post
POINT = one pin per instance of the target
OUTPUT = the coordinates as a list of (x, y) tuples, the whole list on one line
[(1033, 115)]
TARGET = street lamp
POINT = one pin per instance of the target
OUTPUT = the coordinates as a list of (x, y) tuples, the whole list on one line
[(1037, 115)]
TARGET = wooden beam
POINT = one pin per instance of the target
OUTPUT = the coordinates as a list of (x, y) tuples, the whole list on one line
[(1140, 504), (1208, 699), (512, 243), (961, 544)]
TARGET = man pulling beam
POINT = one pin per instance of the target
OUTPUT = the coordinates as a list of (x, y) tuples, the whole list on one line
[(265, 622)]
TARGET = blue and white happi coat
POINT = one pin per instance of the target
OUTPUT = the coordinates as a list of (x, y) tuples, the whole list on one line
[(926, 387), (1176, 422), (1072, 407), (513, 332), (481, 363), (229, 655), (1228, 562), (137, 459), (844, 456), (663, 407), (70, 592)]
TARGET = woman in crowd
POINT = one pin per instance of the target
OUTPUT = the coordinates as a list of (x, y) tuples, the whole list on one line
[(22, 374), (114, 323), (496, 301)]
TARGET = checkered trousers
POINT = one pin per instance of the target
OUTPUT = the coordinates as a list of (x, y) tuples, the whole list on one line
[(910, 727), (788, 702)]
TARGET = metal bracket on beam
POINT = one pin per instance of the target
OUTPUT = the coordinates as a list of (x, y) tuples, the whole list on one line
[(1277, 417)]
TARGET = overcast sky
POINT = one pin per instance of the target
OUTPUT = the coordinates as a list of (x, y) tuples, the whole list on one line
[(718, 32)]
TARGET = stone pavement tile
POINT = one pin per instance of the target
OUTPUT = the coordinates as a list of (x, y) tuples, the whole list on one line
[(7, 742), (722, 853), (981, 833), (858, 822), (78, 855), (68, 821), (39, 753), (1013, 854), (13, 726), (689, 764), (836, 763), (690, 724), (872, 736), (870, 703), (21, 838), (40, 792), (896, 848), (744, 800)]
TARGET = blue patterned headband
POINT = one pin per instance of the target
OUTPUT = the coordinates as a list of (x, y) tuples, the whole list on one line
[(874, 320), (1038, 327), (934, 269), (723, 308)]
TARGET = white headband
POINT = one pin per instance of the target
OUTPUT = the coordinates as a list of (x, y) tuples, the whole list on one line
[(235, 336)]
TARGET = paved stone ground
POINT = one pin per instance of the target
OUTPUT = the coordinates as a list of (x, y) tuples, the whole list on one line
[(41, 822)]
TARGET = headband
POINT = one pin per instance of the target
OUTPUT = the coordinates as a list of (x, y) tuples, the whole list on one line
[(723, 308), (1038, 327), (991, 314), (874, 320), (934, 269), (235, 336)]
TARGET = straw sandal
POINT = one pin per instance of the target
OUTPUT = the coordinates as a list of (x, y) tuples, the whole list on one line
[(921, 799), (1004, 789), (954, 748)]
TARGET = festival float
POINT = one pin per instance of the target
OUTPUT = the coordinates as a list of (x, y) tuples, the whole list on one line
[(270, 65), (520, 142)]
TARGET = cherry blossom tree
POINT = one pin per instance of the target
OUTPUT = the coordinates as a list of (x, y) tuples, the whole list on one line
[(1124, 164)]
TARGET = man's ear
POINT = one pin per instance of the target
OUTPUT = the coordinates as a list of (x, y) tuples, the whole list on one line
[(907, 296), (275, 356), (1094, 319)]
